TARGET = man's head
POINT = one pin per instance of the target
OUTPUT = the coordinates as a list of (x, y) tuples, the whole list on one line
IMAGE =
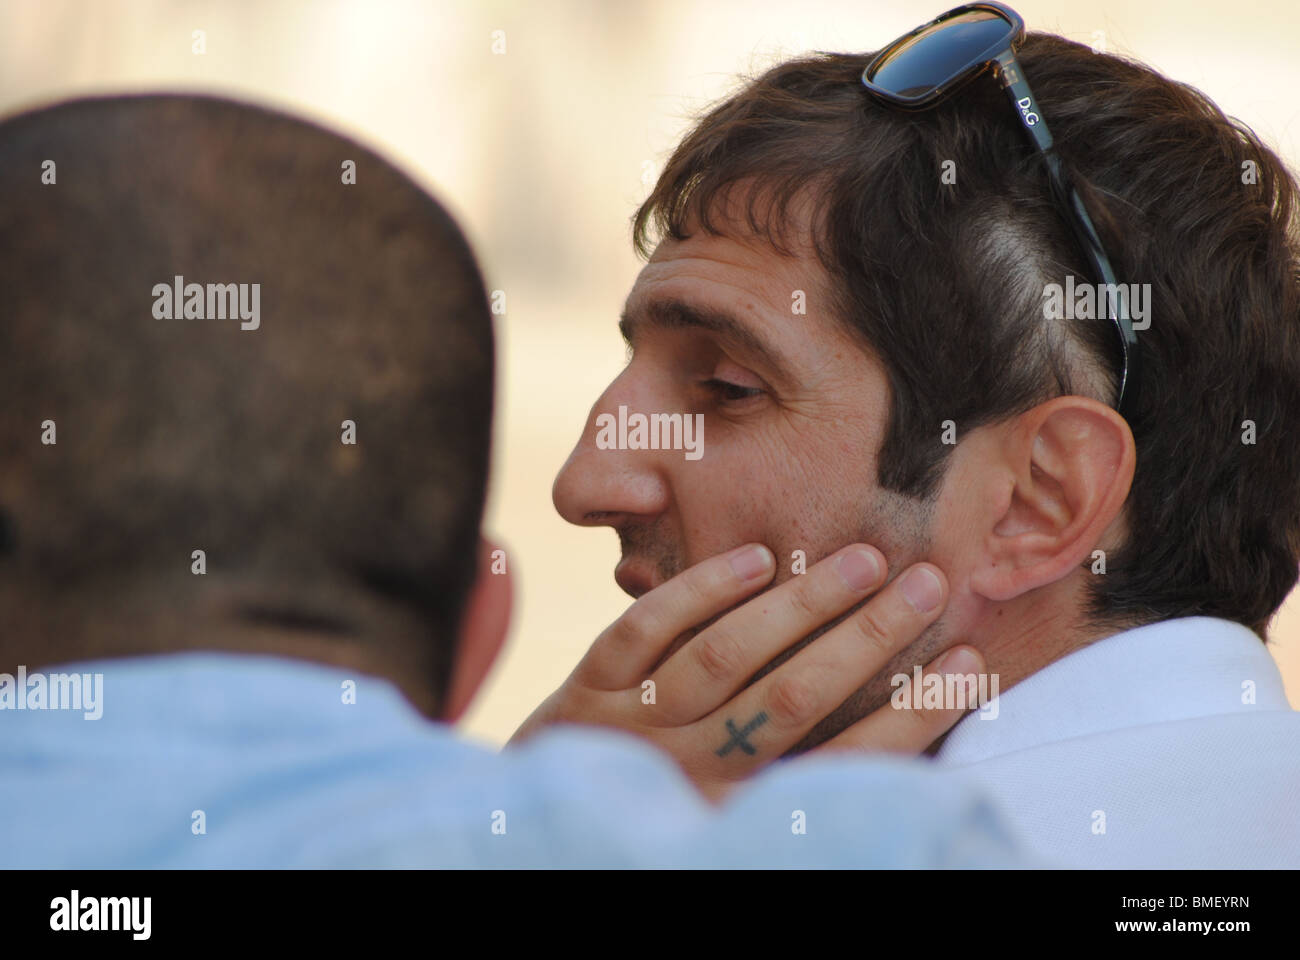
[(329, 458), (853, 297)]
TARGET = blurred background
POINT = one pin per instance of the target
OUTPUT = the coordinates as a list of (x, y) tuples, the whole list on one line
[(542, 126)]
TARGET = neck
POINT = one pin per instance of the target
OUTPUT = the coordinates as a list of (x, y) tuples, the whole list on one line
[(112, 633), (1019, 639)]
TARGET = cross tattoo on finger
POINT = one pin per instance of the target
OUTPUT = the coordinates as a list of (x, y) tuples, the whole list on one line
[(739, 738)]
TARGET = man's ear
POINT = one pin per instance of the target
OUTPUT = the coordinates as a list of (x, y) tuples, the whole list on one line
[(1070, 464), (482, 630)]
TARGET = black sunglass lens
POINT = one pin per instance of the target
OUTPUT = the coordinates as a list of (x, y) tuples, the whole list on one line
[(940, 52)]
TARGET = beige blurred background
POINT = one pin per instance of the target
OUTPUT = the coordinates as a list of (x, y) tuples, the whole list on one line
[(544, 150)]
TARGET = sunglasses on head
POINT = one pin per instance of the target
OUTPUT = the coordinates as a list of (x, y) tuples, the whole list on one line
[(921, 69)]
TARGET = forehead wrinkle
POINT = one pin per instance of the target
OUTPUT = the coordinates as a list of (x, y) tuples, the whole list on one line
[(673, 313)]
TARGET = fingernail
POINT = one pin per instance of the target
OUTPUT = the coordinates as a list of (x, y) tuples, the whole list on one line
[(922, 589), (752, 562), (959, 661), (858, 569)]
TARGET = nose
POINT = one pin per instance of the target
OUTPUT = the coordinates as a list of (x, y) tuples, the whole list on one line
[(598, 487)]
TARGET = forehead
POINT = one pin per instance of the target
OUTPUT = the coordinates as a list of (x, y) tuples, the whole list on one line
[(784, 298), (776, 259)]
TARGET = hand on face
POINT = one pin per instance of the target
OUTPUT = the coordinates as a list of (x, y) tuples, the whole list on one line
[(792, 410), (696, 703)]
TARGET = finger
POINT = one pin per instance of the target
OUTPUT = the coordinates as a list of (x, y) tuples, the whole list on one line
[(906, 724), (717, 661), (629, 647), (774, 714)]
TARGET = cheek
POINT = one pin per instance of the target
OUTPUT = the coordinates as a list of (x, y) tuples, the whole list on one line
[(789, 500)]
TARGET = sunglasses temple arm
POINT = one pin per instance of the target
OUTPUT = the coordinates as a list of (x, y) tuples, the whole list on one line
[(1013, 80)]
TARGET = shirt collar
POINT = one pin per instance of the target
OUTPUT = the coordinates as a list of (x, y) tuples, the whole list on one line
[(1172, 670), (164, 698)]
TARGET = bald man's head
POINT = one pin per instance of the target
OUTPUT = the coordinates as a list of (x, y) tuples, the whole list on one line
[(145, 417)]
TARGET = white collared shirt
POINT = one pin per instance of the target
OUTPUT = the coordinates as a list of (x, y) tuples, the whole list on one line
[(1168, 745)]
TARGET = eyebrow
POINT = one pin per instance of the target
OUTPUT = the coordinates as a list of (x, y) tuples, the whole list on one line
[(674, 314)]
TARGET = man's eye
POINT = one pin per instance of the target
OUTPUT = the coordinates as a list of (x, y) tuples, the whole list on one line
[(726, 390)]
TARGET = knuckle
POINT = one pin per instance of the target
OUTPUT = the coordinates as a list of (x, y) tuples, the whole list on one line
[(699, 589), (634, 626), (792, 702), (876, 630), (802, 601), (718, 655), (682, 583)]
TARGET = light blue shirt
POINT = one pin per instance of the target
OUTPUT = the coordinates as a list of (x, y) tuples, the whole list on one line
[(223, 760)]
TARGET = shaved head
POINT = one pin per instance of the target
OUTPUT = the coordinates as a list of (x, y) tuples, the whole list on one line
[(135, 432)]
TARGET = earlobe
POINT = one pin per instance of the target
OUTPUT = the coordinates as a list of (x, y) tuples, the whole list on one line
[(483, 629), (1072, 461)]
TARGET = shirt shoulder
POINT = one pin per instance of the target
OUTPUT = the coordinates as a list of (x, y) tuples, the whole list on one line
[(226, 761)]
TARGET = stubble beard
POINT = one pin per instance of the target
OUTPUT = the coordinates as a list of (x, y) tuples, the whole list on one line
[(898, 526)]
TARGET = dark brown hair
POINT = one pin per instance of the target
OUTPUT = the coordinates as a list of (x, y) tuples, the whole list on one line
[(945, 283)]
